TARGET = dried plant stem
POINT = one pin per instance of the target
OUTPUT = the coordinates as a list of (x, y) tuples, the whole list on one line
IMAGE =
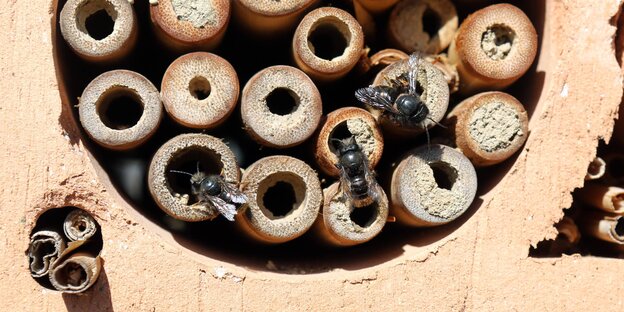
[(604, 226), (75, 273), (596, 169), (607, 198), (44, 248), (79, 225), (267, 18)]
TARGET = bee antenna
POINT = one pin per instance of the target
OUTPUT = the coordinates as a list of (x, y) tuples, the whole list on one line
[(437, 123), (182, 172), (198, 166), (336, 142), (427, 133)]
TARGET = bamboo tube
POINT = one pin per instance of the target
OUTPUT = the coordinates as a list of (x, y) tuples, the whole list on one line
[(269, 18), (76, 273), (190, 25), (200, 90), (120, 109), (377, 6), (284, 196), (596, 169), (79, 225), (494, 47), (340, 224), (281, 107), (435, 94), (422, 25), (44, 248), (567, 229), (604, 226), (489, 127), (614, 169), (433, 185), (342, 123), (327, 44), (99, 30), (188, 152), (607, 198)]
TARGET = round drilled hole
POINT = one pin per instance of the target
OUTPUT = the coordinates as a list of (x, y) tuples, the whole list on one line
[(120, 109), (431, 22), (280, 194), (99, 25), (326, 39), (191, 161), (199, 87), (364, 216), (282, 101), (444, 175), (497, 41)]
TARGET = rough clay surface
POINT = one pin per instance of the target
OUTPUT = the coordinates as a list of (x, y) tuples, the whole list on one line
[(481, 264), (363, 135), (494, 126), (497, 42), (197, 12)]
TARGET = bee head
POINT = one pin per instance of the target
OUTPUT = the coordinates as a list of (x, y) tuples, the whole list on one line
[(345, 145)]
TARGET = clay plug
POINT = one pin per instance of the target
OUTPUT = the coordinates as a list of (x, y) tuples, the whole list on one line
[(604, 226), (327, 44), (79, 225), (99, 30), (75, 273), (190, 153), (284, 198), (428, 26), (377, 7), (190, 25), (433, 185), (614, 169), (606, 198), (489, 127), (267, 18), (344, 123), (340, 224), (44, 248), (281, 107), (120, 109), (200, 90), (494, 47), (431, 87), (596, 169)]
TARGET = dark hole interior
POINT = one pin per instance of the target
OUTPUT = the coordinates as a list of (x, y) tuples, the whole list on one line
[(199, 88), (619, 227), (616, 167), (340, 132), (328, 41), (72, 274), (82, 227), (191, 160), (281, 101), (442, 176), (280, 199), (431, 22), (99, 25), (41, 250), (120, 110), (364, 216)]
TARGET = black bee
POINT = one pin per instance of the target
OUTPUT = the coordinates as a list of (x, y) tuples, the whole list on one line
[(356, 179), (213, 190)]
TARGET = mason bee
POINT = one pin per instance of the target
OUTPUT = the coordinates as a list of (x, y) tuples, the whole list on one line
[(214, 191), (356, 178)]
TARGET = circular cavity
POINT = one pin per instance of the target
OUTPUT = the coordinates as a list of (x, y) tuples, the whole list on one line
[(618, 229), (189, 24), (435, 93), (423, 25), (596, 169), (343, 123), (186, 152), (76, 273), (344, 225), (100, 96), (261, 222), (493, 48), (276, 129), (423, 197), (200, 90), (79, 225), (339, 41), (44, 248), (489, 127), (86, 26)]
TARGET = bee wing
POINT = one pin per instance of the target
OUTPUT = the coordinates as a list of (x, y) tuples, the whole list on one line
[(373, 97), (345, 185), (412, 64), (373, 186), (234, 194), (225, 209)]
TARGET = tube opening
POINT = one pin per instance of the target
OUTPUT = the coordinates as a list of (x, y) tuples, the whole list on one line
[(199, 87), (340, 132), (281, 194), (99, 24), (327, 38), (282, 101), (596, 168), (120, 108), (40, 250), (191, 160), (619, 228), (444, 175), (431, 22), (72, 274), (616, 167), (497, 41), (366, 215), (280, 199)]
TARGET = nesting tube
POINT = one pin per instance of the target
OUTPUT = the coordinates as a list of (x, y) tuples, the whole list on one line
[(120, 109), (44, 248), (422, 25), (596, 169), (343, 123), (340, 224), (494, 47), (377, 6), (99, 30), (607, 198), (614, 169), (281, 107), (76, 272), (188, 152), (79, 225), (432, 185), (284, 198), (435, 92), (604, 226), (269, 17), (184, 25), (489, 127), (327, 44), (568, 230), (200, 90)]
